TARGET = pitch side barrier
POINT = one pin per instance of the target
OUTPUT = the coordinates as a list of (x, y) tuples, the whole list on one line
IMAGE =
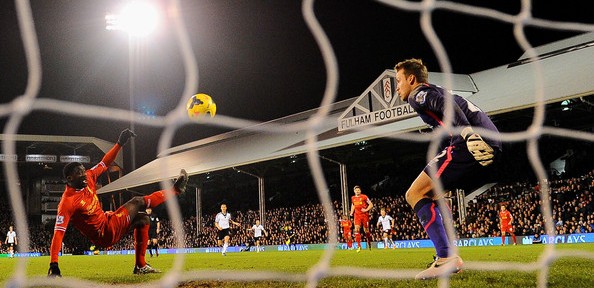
[(403, 244)]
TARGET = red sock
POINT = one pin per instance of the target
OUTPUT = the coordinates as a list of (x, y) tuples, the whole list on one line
[(140, 244), (514, 238), (368, 237), (350, 243), (155, 199), (358, 239), (502, 239)]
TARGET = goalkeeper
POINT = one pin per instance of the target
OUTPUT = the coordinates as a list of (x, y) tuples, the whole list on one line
[(467, 161)]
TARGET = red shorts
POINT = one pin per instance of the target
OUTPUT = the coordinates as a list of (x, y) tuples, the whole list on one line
[(361, 220), (508, 229), (118, 225)]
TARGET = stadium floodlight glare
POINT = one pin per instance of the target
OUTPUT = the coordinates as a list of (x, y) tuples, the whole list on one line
[(137, 18)]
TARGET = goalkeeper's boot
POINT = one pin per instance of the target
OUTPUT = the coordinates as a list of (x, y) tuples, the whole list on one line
[(181, 182), (441, 267), (145, 270), (434, 259)]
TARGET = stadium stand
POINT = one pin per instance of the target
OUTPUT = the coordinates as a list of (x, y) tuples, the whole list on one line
[(571, 198)]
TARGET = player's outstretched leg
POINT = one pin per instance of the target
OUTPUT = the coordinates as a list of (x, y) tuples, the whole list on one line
[(179, 187)]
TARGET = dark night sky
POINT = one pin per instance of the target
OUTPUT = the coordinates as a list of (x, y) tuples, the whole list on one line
[(256, 58)]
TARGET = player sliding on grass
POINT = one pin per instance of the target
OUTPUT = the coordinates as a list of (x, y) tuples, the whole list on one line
[(80, 206), (466, 162)]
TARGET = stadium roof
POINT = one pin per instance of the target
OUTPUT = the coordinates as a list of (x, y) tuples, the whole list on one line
[(567, 69)]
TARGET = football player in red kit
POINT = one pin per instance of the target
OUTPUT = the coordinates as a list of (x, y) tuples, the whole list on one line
[(80, 207), (506, 224), (347, 227), (360, 206)]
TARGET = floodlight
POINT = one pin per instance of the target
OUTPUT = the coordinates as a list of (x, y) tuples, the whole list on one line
[(137, 18)]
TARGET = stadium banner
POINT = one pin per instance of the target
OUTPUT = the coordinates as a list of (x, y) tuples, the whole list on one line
[(377, 105), (399, 244), (41, 158), (8, 157), (75, 158), (377, 117), (23, 254), (557, 239)]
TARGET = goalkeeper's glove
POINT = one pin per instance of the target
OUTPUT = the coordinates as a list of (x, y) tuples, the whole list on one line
[(125, 136), (480, 150), (54, 270)]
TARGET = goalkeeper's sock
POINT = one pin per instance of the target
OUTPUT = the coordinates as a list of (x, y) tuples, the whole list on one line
[(140, 244), (430, 218)]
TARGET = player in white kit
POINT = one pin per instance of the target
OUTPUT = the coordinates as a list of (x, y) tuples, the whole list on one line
[(387, 223)]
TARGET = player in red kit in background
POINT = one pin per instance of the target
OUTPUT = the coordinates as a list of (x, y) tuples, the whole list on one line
[(347, 225), (360, 206), (506, 220), (80, 206)]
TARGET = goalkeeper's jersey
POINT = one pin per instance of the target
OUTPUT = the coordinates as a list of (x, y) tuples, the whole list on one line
[(429, 102)]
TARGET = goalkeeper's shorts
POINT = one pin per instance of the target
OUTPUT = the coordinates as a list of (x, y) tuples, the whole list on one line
[(455, 167)]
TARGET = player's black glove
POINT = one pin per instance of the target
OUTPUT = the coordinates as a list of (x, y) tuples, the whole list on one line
[(480, 150), (54, 270), (125, 136)]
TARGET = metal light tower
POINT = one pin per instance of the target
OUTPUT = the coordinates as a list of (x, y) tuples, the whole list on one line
[(138, 19)]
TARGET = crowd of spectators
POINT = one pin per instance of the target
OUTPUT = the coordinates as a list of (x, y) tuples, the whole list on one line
[(571, 200)]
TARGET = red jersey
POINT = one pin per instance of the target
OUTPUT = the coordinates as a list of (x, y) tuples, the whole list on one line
[(346, 225), (360, 202), (82, 207), (505, 217)]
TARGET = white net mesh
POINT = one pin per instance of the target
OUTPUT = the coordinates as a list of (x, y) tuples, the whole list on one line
[(16, 110)]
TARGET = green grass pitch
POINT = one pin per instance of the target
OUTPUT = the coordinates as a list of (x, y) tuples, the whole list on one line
[(564, 272)]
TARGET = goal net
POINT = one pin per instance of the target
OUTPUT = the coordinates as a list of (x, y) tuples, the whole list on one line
[(29, 102)]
